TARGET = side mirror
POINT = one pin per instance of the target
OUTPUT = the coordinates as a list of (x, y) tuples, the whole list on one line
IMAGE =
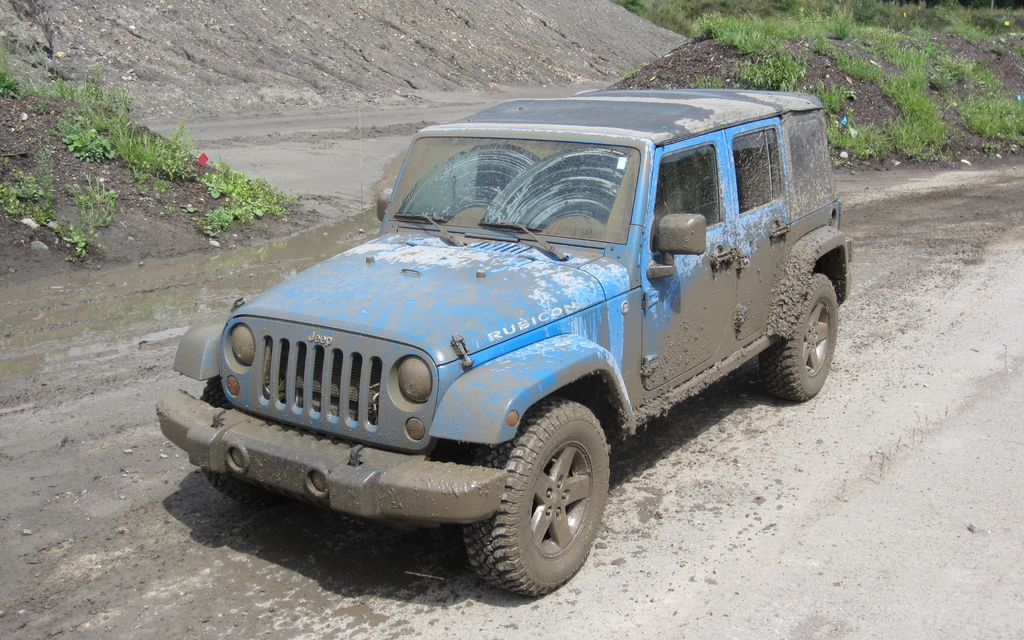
[(383, 199), (681, 234)]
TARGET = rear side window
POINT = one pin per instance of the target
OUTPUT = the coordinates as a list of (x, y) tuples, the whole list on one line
[(758, 168), (688, 183), (811, 185)]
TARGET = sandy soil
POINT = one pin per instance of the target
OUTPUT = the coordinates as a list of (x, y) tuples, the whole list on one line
[(886, 507)]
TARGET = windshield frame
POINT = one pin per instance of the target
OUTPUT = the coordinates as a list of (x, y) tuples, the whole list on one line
[(622, 208)]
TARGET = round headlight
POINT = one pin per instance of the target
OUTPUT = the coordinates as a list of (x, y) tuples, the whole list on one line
[(243, 345), (414, 379)]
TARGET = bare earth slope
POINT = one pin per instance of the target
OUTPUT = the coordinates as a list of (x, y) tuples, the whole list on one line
[(190, 57)]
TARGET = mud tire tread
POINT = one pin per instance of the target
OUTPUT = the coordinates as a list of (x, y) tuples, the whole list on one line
[(494, 547), (213, 394), (783, 373)]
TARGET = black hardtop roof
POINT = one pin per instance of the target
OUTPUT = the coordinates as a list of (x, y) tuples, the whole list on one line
[(659, 115)]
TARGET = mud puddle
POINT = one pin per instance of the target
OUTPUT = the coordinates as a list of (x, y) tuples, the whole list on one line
[(100, 315)]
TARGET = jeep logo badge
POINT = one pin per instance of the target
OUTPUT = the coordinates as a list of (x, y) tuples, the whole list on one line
[(320, 339)]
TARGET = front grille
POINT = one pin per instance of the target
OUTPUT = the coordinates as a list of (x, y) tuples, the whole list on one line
[(328, 381), (350, 390)]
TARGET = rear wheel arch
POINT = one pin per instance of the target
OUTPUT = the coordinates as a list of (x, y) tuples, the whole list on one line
[(835, 265)]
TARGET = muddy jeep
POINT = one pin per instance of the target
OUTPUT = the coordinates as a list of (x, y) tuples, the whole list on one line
[(549, 275)]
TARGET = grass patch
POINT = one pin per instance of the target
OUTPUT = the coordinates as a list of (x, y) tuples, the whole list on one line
[(833, 98), (243, 200), (775, 69), (96, 206), (995, 117), (95, 203), (866, 141), (28, 195)]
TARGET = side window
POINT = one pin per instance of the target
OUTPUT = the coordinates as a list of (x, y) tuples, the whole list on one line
[(810, 169), (758, 168), (688, 183)]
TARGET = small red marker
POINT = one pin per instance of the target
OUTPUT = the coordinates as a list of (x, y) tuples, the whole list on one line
[(203, 160)]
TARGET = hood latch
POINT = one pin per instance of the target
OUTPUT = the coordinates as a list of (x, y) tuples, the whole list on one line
[(459, 347)]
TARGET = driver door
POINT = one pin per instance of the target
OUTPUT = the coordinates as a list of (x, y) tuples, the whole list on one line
[(687, 310)]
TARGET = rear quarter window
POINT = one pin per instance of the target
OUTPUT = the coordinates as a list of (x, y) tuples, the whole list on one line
[(812, 185)]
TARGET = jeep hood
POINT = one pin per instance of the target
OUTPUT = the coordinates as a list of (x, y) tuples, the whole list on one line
[(421, 291)]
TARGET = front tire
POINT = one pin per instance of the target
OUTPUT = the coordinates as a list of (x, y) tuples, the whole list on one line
[(552, 504), (245, 494), (796, 368)]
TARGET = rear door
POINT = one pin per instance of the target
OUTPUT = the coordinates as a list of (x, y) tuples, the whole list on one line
[(762, 206)]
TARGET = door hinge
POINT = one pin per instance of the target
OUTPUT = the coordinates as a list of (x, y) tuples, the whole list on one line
[(649, 299), (778, 228)]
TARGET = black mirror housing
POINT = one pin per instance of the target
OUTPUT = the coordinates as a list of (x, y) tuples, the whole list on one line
[(681, 234)]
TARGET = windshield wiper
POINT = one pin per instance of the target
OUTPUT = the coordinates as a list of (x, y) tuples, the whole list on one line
[(544, 244), (419, 217)]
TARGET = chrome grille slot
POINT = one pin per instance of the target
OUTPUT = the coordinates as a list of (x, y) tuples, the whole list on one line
[(300, 375), (318, 377), (354, 394), (268, 353), (376, 367), (281, 381), (335, 401)]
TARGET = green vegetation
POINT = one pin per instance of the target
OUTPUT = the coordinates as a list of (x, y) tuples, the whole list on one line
[(86, 144), (890, 45), (96, 126), (775, 69), (96, 206), (244, 199), (30, 195), (9, 87)]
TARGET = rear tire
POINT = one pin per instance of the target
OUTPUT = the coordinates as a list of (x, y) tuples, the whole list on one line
[(552, 504), (796, 368)]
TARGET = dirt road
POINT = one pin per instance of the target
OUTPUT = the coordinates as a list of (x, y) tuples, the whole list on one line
[(886, 507)]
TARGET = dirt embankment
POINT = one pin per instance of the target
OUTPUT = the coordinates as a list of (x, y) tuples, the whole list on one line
[(198, 58)]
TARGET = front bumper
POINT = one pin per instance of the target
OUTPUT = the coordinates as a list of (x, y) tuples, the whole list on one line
[(370, 483)]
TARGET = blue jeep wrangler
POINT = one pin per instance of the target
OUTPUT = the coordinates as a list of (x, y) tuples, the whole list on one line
[(549, 275)]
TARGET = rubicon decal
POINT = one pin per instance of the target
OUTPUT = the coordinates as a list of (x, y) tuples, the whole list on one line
[(523, 324)]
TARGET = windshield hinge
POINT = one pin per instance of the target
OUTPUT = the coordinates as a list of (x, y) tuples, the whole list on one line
[(459, 347)]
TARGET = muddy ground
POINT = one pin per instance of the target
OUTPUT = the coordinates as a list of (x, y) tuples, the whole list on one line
[(886, 507)]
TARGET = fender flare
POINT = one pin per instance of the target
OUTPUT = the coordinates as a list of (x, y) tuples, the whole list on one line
[(475, 407), (795, 277), (198, 354)]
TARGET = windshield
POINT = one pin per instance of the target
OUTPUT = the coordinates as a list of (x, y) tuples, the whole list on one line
[(566, 189)]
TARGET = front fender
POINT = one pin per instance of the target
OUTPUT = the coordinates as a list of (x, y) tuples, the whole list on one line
[(198, 354), (475, 407)]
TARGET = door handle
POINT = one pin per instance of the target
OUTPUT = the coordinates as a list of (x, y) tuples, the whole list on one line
[(733, 255), (722, 256)]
